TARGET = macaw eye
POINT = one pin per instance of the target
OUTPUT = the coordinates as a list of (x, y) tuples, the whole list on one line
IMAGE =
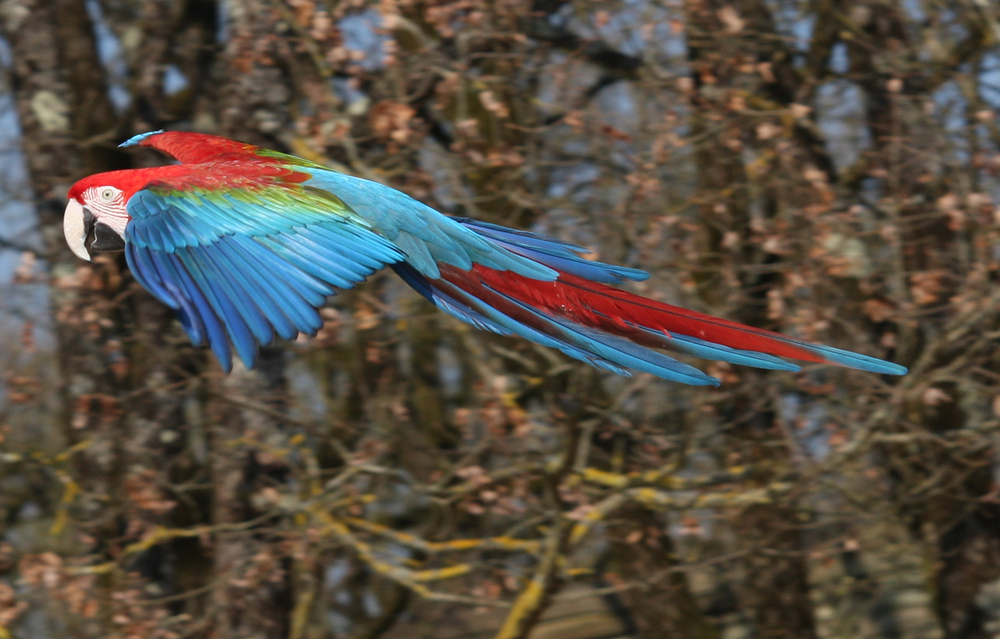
[(108, 194)]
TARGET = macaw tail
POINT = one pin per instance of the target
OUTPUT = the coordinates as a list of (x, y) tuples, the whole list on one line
[(612, 329)]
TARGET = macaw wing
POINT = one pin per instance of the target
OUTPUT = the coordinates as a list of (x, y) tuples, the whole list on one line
[(431, 239), (239, 266)]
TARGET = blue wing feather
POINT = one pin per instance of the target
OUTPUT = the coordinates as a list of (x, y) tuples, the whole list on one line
[(237, 271), (213, 287), (269, 299), (312, 258), (204, 316), (289, 283), (287, 264), (234, 285), (172, 287)]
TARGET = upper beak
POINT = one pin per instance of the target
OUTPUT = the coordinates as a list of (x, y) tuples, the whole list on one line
[(75, 228), (84, 233)]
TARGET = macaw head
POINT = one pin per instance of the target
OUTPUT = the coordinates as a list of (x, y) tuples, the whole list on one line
[(95, 217)]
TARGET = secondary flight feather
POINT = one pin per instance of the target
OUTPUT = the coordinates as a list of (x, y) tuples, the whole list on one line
[(246, 244)]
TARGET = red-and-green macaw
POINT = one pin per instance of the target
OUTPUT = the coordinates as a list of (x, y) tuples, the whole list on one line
[(245, 243)]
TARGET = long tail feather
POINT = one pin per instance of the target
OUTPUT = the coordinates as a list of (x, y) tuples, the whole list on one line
[(615, 329), (492, 310)]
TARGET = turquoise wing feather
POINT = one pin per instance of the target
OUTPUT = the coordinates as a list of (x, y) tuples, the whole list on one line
[(428, 238), (242, 266)]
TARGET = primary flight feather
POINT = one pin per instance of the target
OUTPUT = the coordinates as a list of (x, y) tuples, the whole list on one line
[(245, 244)]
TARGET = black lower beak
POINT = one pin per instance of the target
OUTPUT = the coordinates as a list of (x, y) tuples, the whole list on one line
[(100, 237)]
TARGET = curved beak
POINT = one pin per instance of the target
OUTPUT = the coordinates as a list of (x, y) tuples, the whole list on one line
[(75, 228), (84, 233)]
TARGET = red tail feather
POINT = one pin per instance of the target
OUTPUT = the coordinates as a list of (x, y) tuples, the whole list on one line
[(617, 312)]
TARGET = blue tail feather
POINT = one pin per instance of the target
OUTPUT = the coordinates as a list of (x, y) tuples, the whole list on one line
[(445, 302), (708, 350), (618, 350)]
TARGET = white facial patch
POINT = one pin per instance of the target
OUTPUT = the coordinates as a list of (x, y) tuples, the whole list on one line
[(107, 203)]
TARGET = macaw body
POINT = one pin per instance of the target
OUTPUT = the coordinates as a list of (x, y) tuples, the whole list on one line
[(246, 244)]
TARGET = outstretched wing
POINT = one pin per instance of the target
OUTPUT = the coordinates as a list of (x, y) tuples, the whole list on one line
[(242, 265)]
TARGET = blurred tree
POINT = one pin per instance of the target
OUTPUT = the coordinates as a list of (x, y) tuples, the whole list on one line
[(829, 169)]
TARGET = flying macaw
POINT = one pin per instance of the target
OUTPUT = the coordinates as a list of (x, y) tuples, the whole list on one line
[(245, 243)]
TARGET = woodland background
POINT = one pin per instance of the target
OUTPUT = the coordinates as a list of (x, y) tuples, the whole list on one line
[(826, 168)]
